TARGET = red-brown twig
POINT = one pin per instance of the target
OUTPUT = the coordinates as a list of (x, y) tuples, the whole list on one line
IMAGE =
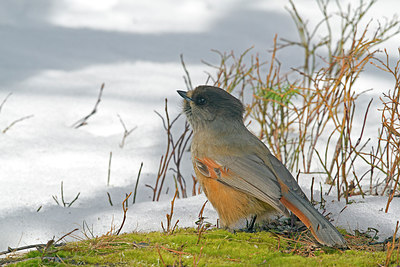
[(125, 209), (174, 151), (169, 229)]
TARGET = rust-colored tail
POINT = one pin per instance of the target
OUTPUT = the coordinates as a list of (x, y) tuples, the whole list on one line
[(320, 227)]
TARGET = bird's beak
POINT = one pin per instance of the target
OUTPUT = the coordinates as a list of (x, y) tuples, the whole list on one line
[(184, 95)]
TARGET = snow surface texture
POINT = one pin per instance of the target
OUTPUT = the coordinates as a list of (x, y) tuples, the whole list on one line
[(54, 57)]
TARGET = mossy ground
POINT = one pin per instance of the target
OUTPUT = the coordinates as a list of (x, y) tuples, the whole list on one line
[(215, 247)]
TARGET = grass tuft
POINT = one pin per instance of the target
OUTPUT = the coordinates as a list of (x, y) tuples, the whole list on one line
[(217, 247)]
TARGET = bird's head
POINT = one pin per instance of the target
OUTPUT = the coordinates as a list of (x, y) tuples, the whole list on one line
[(206, 104)]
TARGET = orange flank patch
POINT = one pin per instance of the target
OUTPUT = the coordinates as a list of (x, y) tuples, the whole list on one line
[(231, 204), (214, 169)]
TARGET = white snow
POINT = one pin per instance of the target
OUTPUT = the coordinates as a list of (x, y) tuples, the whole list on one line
[(54, 56)]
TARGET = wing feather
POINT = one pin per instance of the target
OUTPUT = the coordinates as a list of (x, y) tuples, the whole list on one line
[(249, 174), (286, 177)]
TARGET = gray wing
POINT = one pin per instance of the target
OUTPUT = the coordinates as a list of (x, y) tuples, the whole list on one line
[(249, 173), (283, 173)]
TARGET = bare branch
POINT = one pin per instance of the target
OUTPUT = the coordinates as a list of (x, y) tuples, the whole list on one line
[(83, 121), (4, 101), (126, 131), (125, 209), (109, 169), (187, 79), (137, 183), (15, 122)]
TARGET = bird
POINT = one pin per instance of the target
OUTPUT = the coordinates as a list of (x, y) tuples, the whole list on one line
[(238, 173)]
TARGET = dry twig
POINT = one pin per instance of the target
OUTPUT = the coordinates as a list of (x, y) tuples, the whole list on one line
[(125, 209), (83, 121), (174, 151), (4, 101), (109, 169), (126, 131), (391, 246), (137, 183), (15, 122), (169, 229)]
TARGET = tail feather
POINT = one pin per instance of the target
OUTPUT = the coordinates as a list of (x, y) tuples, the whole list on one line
[(320, 227)]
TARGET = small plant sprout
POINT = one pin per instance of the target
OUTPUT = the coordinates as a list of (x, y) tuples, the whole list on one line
[(63, 202)]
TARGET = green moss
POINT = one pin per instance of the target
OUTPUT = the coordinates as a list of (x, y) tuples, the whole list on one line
[(215, 248)]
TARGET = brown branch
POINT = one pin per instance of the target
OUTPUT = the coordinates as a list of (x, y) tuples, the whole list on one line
[(196, 262), (159, 253), (391, 246), (125, 209), (169, 229), (174, 151), (194, 185)]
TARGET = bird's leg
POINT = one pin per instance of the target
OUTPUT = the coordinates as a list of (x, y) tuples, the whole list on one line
[(250, 226), (292, 220)]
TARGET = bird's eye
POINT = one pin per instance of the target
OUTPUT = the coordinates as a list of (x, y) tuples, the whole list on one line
[(201, 101)]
